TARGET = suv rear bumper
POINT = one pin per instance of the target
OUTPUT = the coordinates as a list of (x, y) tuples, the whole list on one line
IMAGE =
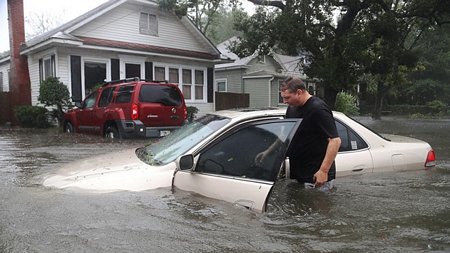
[(137, 129)]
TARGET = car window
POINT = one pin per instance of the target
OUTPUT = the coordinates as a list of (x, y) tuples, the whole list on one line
[(105, 97), (349, 139), (124, 94), (89, 102), (235, 155), (166, 95), (181, 140)]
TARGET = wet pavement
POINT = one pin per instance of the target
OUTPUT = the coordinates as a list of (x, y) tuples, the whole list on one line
[(386, 212)]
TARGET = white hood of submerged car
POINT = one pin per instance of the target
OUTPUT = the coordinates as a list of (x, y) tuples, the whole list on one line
[(118, 171)]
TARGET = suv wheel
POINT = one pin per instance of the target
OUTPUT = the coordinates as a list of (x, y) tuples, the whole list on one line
[(68, 128), (111, 132)]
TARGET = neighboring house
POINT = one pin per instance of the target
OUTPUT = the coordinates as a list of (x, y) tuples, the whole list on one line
[(259, 76), (4, 73), (121, 39)]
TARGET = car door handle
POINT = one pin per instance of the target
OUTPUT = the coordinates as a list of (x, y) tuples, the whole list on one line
[(357, 170)]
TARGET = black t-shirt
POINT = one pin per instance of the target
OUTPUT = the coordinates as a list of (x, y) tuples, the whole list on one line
[(310, 142)]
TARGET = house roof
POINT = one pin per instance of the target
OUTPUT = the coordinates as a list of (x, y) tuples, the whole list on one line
[(145, 47), (238, 62), (290, 64), (62, 34), (263, 74)]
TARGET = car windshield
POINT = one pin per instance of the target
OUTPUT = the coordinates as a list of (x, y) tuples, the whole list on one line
[(177, 143)]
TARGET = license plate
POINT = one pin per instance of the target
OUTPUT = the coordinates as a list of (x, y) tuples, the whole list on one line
[(164, 132)]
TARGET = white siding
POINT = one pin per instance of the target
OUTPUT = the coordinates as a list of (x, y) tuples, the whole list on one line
[(4, 69), (122, 24)]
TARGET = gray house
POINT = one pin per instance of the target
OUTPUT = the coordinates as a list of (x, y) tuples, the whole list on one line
[(121, 39), (259, 76)]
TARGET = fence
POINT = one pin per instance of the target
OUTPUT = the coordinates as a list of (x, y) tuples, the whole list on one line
[(228, 100)]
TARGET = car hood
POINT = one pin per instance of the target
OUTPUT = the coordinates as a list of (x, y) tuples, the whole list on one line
[(117, 171)]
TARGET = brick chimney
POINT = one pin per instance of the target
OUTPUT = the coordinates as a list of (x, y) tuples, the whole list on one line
[(19, 85)]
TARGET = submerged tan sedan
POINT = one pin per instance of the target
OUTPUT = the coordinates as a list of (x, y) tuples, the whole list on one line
[(215, 156)]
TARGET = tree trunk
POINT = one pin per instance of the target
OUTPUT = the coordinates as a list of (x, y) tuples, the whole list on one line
[(379, 98)]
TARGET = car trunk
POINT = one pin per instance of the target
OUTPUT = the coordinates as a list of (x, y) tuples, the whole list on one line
[(154, 114)]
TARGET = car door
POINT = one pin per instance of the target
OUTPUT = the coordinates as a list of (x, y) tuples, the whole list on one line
[(354, 155), (226, 169), (99, 111), (85, 114)]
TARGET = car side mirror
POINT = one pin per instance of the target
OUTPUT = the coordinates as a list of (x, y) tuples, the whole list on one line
[(185, 162)]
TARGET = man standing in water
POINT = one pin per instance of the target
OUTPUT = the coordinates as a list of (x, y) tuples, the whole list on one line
[(316, 142)]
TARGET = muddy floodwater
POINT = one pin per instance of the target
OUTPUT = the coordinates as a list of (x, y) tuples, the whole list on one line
[(388, 212)]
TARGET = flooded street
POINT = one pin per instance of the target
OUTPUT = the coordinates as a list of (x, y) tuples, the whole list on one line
[(387, 212)]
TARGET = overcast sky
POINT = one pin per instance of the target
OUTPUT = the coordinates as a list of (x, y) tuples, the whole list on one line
[(64, 9)]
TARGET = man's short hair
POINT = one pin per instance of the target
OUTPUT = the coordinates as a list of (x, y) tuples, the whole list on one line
[(292, 84)]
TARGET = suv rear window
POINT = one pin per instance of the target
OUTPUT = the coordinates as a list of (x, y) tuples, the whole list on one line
[(166, 95)]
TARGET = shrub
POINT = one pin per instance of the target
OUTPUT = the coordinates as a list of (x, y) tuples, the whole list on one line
[(32, 116), (52, 92), (191, 113), (346, 103), (438, 107)]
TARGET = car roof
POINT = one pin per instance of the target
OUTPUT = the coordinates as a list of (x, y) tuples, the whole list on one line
[(244, 113)]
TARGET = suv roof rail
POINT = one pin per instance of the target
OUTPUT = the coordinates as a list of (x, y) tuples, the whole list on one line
[(156, 81), (132, 79)]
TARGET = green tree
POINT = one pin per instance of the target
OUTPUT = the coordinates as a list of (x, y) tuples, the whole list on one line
[(52, 92), (372, 37), (202, 12), (223, 26), (430, 81)]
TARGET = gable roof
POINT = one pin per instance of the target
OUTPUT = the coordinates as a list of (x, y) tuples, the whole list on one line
[(62, 34), (291, 65), (238, 62)]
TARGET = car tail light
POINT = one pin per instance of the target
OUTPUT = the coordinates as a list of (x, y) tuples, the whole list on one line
[(134, 112), (185, 113), (431, 159)]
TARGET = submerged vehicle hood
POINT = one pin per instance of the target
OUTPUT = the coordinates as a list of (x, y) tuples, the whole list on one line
[(115, 171)]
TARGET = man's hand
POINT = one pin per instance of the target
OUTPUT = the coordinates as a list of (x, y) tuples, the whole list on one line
[(259, 159), (320, 178)]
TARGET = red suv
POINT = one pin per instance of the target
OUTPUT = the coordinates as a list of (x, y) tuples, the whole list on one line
[(129, 108)]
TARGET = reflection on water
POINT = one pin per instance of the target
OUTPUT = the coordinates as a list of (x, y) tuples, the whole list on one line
[(390, 212)]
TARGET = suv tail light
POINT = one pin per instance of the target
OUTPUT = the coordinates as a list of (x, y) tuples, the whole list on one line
[(185, 113), (431, 159), (134, 112)]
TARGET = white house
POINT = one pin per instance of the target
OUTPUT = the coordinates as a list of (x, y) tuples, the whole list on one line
[(121, 39)]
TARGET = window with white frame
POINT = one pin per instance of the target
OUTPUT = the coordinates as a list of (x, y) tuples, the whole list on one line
[(47, 67), (187, 84), (148, 24), (221, 85), (174, 75), (191, 80), (94, 75), (199, 84), (160, 74)]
